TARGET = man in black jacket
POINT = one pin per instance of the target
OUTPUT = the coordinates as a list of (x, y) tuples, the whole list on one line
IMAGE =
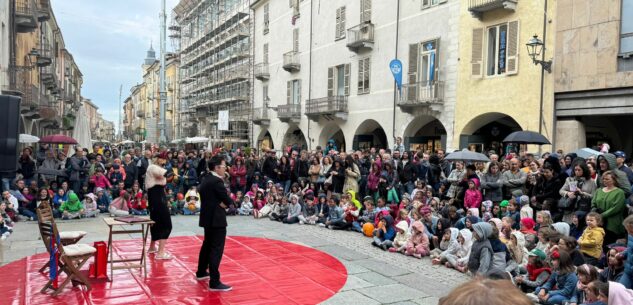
[(214, 202)]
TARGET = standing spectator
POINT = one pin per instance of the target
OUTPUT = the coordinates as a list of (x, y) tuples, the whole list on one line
[(269, 167), (352, 174), (78, 170), (399, 146), (492, 183), (131, 171), (408, 173), (50, 163), (142, 164), (609, 202), (26, 165), (620, 157), (514, 179), (238, 175)]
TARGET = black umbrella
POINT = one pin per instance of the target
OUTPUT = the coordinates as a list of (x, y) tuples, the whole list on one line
[(526, 137), (467, 156)]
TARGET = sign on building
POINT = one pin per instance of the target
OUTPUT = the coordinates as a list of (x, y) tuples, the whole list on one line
[(223, 120)]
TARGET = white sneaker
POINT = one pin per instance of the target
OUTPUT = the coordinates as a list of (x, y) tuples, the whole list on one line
[(301, 222), (322, 225)]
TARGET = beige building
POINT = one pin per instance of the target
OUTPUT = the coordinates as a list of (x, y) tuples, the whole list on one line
[(593, 67), (41, 70), (92, 111)]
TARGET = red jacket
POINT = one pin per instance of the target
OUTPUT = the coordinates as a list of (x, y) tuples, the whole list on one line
[(238, 172)]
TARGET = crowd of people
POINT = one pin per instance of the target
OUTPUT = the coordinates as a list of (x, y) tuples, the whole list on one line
[(556, 225)]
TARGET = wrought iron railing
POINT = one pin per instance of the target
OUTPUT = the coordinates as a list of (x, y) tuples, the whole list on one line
[(327, 105), (422, 93)]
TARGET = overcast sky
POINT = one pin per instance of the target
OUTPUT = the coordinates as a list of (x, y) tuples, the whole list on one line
[(109, 40)]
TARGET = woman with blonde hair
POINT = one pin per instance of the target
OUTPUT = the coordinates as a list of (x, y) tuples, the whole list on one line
[(155, 183), (482, 291)]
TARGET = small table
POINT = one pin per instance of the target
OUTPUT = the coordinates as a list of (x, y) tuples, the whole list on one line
[(130, 263)]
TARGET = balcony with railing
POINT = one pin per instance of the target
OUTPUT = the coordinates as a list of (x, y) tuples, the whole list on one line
[(360, 37), (289, 113), (261, 71), (478, 7), (260, 116), (140, 112), (291, 62), (331, 106), (45, 55), (25, 16), (422, 94)]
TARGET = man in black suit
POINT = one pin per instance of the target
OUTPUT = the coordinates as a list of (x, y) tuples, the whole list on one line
[(214, 201)]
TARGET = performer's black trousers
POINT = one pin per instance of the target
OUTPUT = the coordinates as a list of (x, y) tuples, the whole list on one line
[(211, 253)]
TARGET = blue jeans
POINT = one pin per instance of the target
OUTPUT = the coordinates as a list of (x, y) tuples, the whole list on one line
[(28, 213), (190, 212), (286, 185), (357, 227), (138, 212), (555, 299), (6, 184)]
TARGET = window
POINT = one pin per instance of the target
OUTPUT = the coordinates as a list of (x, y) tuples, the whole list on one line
[(265, 93), (265, 53), (338, 80), (500, 50), (626, 29), (430, 3), (428, 62), (293, 93), (266, 18), (363, 76), (340, 23), (365, 11)]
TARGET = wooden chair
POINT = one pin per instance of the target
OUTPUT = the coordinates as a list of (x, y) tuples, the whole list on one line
[(45, 216), (71, 258)]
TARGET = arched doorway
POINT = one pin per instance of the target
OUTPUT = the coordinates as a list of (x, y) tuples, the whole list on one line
[(294, 138), (425, 133), (265, 141), (487, 131), (369, 134), (332, 132)]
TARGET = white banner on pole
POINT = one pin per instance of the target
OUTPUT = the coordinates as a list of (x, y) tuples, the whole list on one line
[(223, 120)]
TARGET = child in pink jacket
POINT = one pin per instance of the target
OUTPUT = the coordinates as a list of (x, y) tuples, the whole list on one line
[(472, 197), (418, 243)]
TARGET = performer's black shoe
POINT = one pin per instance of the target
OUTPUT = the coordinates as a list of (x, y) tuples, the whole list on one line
[(201, 277), (220, 287)]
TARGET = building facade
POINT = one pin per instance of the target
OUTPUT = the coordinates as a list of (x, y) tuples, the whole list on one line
[(323, 73), (142, 106), (499, 86), (594, 74), (41, 70), (215, 63)]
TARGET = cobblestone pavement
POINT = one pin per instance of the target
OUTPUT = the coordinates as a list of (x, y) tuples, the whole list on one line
[(375, 276)]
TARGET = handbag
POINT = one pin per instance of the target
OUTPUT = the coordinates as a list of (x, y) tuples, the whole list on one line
[(328, 181), (565, 202)]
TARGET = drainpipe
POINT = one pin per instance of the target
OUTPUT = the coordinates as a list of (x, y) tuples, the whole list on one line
[(393, 132), (310, 73)]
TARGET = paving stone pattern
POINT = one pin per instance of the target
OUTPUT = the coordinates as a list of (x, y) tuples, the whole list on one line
[(374, 276)]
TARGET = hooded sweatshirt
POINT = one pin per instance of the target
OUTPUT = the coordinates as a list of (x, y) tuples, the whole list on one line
[(402, 236), (390, 232), (463, 251), (519, 252), (447, 244), (623, 180), (481, 254), (73, 205), (618, 294), (591, 242), (473, 197), (418, 236)]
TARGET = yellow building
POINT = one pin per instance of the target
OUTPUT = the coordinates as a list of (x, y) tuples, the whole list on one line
[(142, 110), (499, 87)]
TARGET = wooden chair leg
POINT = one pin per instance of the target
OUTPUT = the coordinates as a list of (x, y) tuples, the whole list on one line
[(48, 263), (72, 270)]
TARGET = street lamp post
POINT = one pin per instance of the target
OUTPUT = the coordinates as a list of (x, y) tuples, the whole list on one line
[(536, 48)]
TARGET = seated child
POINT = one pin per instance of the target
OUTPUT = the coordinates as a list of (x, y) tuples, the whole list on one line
[(561, 285), (73, 208), (615, 265), (592, 238), (103, 200), (120, 206), (192, 199), (457, 257), (418, 244), (280, 210), (526, 209), (384, 233), (90, 205), (402, 236), (481, 257), (538, 272), (246, 207), (586, 274), (138, 205), (449, 239)]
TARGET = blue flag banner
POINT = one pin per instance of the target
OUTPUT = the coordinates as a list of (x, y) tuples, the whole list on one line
[(396, 69)]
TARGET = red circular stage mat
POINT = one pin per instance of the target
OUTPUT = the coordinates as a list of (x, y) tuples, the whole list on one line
[(261, 271)]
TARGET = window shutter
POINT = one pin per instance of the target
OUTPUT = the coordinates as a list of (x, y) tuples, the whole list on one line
[(341, 32), (338, 22), (437, 60), (289, 92), (346, 80), (477, 53), (365, 11), (361, 75), (330, 81), (266, 53), (265, 93), (413, 70), (513, 48), (295, 38), (266, 17), (298, 92)]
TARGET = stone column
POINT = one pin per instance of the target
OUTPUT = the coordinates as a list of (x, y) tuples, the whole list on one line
[(570, 135)]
